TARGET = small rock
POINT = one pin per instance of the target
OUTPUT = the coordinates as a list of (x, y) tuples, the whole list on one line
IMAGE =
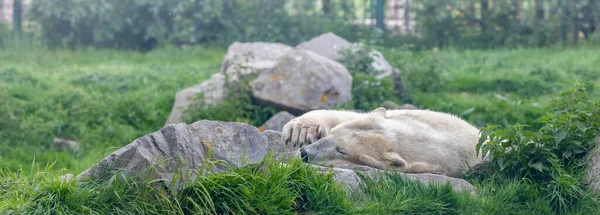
[(65, 145), (303, 81), (66, 178), (212, 92), (277, 121), (241, 53), (182, 148), (278, 148)]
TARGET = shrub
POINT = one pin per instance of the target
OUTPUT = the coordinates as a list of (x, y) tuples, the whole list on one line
[(238, 106), (554, 156)]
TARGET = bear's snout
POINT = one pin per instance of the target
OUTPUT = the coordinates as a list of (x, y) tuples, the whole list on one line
[(303, 155)]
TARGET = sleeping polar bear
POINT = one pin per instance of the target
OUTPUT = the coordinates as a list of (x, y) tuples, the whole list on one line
[(411, 141)]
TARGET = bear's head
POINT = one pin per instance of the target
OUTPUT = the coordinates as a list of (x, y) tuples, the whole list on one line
[(359, 142)]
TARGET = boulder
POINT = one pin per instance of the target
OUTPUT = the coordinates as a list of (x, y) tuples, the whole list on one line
[(303, 81), (591, 179), (346, 175), (248, 71), (277, 148), (277, 121), (241, 53), (182, 149), (212, 92), (328, 45), (60, 144)]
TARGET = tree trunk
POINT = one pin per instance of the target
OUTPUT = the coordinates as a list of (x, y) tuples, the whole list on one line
[(327, 7), (380, 15), (407, 18), (485, 6), (539, 11), (17, 18)]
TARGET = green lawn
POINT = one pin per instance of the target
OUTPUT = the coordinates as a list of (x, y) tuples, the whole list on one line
[(106, 99)]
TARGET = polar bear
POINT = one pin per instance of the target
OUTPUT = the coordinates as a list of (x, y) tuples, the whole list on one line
[(411, 141)]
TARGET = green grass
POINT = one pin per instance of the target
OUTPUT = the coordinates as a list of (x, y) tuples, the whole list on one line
[(106, 99)]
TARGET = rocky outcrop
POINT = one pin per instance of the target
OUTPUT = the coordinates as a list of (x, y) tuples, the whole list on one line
[(303, 81), (182, 148)]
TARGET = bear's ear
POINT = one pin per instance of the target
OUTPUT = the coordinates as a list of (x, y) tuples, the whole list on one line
[(378, 112), (396, 161)]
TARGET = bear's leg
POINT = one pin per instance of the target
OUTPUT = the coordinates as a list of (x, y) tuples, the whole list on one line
[(422, 167)]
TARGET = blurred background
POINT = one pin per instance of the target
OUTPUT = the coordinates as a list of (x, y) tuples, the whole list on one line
[(146, 24)]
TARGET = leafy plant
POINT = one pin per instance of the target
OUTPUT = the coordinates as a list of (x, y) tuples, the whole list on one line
[(553, 156), (237, 105)]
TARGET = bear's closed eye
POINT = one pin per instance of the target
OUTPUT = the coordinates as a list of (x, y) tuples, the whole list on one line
[(339, 150)]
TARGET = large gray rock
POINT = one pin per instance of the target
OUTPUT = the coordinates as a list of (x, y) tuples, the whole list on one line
[(591, 179), (277, 121), (303, 81), (328, 45), (277, 148), (346, 176), (242, 53), (248, 71), (210, 92), (183, 148)]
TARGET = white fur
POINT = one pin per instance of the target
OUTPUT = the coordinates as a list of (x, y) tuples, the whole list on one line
[(418, 136)]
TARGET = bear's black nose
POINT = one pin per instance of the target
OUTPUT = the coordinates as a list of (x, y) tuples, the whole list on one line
[(304, 156)]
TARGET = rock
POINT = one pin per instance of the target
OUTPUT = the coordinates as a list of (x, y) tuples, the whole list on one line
[(182, 148), (66, 178), (249, 71), (212, 92), (347, 177), (277, 148), (241, 53), (60, 144), (591, 179), (303, 81), (333, 47), (277, 121), (327, 45)]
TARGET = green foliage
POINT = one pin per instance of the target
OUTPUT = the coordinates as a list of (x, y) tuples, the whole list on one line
[(266, 189), (425, 75), (237, 105), (368, 92), (503, 23), (144, 24), (553, 156), (270, 188)]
